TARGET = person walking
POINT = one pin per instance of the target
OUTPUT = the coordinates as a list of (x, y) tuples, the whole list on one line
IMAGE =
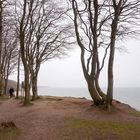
[(11, 91)]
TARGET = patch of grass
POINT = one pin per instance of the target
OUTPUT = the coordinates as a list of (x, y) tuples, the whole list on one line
[(4, 97), (23, 104), (94, 130), (134, 113), (53, 99), (28, 105), (9, 133), (20, 97)]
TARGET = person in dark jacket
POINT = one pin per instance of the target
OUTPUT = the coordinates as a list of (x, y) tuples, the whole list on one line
[(11, 91)]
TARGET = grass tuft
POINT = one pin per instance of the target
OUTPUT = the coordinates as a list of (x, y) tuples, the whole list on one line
[(9, 133), (4, 97), (93, 129), (134, 113), (53, 99)]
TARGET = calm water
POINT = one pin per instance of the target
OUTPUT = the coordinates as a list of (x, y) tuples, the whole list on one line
[(129, 96)]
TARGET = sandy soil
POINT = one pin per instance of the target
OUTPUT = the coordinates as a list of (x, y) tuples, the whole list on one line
[(46, 118)]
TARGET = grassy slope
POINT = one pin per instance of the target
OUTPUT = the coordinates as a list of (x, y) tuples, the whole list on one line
[(101, 130)]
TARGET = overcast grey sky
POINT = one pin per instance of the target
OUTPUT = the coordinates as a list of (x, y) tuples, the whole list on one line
[(67, 72)]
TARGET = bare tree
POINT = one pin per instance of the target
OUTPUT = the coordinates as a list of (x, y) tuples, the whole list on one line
[(101, 24), (7, 41), (49, 37), (124, 24), (88, 26), (42, 37), (18, 77), (1, 15), (22, 38)]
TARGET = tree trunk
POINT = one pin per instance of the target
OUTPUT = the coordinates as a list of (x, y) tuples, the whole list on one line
[(101, 93), (5, 85), (110, 77), (34, 87), (27, 89), (26, 71), (111, 59), (18, 75), (23, 55), (90, 82), (94, 93), (1, 80)]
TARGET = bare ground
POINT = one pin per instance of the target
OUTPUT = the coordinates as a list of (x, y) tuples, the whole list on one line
[(49, 118)]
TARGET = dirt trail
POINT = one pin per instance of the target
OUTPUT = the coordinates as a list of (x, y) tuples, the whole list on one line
[(46, 119)]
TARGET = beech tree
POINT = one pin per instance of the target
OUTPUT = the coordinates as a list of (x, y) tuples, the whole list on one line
[(50, 38), (102, 24), (7, 43), (18, 76), (9, 58), (23, 24), (1, 20), (42, 37), (124, 24), (88, 27)]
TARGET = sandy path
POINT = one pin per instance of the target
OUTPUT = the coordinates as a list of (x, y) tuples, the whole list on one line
[(38, 122)]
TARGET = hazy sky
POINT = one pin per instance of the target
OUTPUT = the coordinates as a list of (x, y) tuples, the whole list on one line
[(67, 72)]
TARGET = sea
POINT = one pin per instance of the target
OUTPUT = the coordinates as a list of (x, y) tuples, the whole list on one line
[(127, 95)]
